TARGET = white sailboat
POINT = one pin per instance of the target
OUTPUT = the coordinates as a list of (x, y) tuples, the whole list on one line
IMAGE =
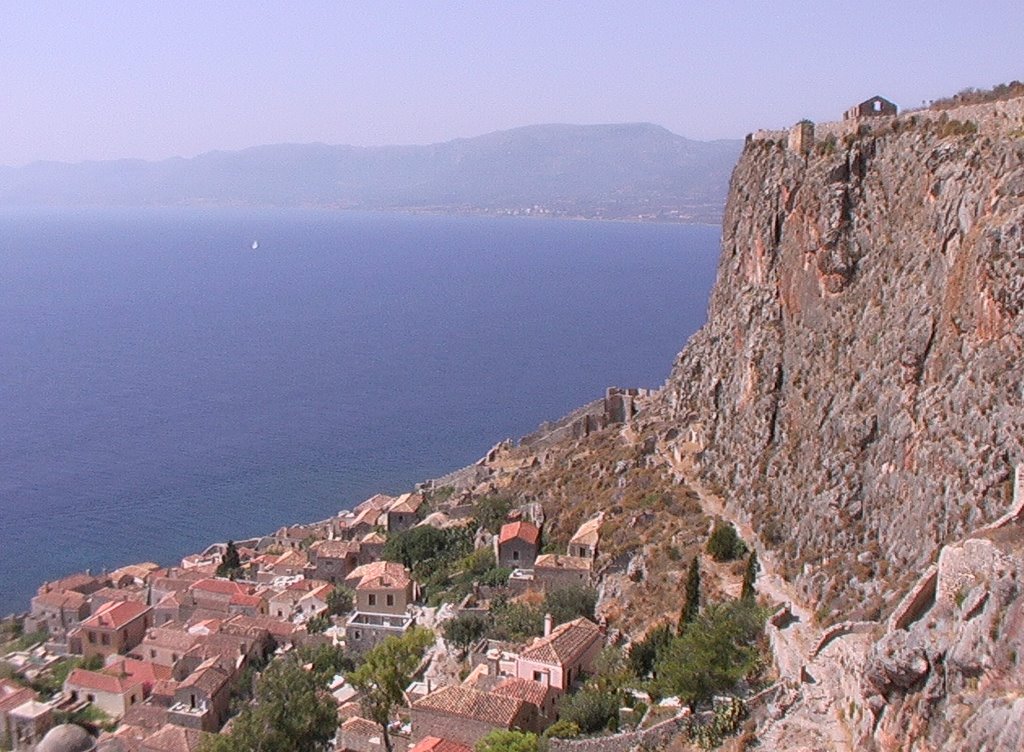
[(255, 245)]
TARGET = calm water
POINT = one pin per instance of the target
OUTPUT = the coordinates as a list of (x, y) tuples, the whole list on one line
[(164, 386)]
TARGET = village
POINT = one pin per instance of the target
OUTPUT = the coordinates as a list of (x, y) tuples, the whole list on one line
[(157, 651)]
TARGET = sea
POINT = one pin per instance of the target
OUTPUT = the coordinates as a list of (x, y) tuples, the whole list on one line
[(164, 385)]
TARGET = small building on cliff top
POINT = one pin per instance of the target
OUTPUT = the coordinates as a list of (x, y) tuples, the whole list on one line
[(874, 107)]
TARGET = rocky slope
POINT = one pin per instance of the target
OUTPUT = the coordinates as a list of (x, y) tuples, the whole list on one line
[(857, 389)]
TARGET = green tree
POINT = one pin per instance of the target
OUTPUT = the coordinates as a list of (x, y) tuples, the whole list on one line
[(230, 563), (568, 603), (340, 601), (327, 660), (643, 655), (492, 511), (562, 729), (427, 544), (691, 599), (318, 624), (712, 654), (517, 621), (725, 544), (291, 711), (591, 709), (501, 740), (385, 673), (465, 629), (750, 576)]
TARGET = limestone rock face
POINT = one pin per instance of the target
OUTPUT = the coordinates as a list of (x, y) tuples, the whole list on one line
[(858, 384)]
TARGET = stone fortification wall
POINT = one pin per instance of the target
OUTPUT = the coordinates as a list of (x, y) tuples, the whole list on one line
[(991, 118), (650, 738)]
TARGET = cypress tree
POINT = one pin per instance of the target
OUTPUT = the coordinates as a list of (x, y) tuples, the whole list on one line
[(691, 603), (749, 576)]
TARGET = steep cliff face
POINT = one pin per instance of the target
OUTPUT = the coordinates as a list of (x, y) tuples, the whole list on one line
[(858, 385)]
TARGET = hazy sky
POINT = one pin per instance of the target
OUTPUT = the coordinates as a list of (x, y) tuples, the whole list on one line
[(99, 80)]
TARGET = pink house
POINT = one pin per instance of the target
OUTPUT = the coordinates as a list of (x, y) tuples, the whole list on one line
[(559, 658)]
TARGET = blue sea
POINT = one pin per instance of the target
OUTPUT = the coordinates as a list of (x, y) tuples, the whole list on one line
[(164, 386)]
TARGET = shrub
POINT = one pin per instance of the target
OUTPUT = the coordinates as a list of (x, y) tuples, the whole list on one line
[(465, 629), (725, 544), (590, 710), (568, 603), (562, 729)]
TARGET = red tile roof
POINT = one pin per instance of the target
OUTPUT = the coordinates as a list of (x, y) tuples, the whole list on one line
[(525, 689), (407, 503), (524, 531), (220, 585), (378, 574), (562, 561), (488, 707), (566, 643), (434, 744), (116, 614)]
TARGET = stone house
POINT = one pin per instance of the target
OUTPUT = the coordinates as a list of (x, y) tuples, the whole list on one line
[(874, 107), (115, 628), (116, 687), (202, 700), (268, 567), (166, 645), (404, 512), (58, 612), (247, 604), (217, 593), (517, 544), (382, 587), (541, 696), (561, 657), (371, 547), (363, 519), (332, 560), (300, 601), (28, 723), (585, 540), (11, 696), (464, 715), (364, 631), (553, 571)]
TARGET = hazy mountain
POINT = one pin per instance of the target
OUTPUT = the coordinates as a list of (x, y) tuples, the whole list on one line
[(612, 171)]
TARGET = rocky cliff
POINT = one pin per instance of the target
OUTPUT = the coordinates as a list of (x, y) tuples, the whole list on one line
[(857, 390)]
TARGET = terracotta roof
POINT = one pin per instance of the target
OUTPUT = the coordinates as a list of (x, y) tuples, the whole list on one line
[(60, 599), (141, 571), (12, 695), (209, 676), (120, 676), (221, 586), (71, 582), (433, 744), (566, 643), (133, 593), (359, 726), (377, 501), (253, 625), (589, 532), (290, 557), (562, 561), (116, 614), (524, 531), (335, 549), (308, 586), (525, 689), (499, 710), (171, 738), (376, 573), (169, 637), (373, 537), (407, 503), (243, 599)]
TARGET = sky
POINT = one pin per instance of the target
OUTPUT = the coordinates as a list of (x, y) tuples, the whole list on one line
[(90, 80)]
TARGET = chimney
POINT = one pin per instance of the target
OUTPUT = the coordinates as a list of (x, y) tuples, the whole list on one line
[(493, 661), (547, 624)]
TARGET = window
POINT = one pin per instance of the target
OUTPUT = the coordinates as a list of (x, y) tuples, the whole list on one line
[(358, 635), (91, 698), (105, 639), (390, 599), (92, 637), (152, 654), (371, 599), (515, 555)]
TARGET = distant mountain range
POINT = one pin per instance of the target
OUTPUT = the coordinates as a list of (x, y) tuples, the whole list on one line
[(630, 171)]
